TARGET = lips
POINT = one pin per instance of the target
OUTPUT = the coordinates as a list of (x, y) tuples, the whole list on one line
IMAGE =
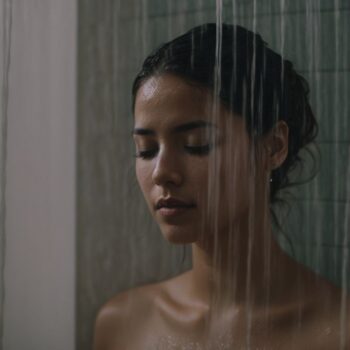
[(170, 207), (172, 203)]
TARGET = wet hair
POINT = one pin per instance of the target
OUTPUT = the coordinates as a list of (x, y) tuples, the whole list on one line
[(254, 82)]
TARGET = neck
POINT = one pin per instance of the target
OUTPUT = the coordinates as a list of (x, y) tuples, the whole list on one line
[(239, 267)]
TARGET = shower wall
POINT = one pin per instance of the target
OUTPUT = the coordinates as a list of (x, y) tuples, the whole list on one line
[(118, 245)]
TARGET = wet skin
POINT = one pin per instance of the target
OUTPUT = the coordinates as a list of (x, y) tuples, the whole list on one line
[(243, 290)]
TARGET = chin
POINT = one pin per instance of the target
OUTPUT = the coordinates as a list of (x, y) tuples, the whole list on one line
[(178, 236)]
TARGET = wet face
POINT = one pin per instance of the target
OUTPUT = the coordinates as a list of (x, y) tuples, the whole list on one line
[(194, 161)]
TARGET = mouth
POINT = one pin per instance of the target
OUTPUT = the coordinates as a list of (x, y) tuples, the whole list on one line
[(169, 212), (169, 207)]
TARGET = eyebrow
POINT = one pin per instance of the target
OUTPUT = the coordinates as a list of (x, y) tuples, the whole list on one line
[(178, 129)]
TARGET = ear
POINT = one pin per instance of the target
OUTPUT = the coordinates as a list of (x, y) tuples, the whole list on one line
[(276, 145)]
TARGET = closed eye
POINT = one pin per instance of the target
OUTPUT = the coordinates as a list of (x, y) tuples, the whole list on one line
[(195, 150), (149, 154)]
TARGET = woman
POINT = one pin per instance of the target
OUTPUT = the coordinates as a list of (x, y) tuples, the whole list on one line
[(219, 122)]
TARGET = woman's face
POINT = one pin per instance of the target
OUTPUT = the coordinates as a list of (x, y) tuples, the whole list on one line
[(194, 162)]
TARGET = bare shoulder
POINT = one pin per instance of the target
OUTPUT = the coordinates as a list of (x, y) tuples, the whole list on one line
[(339, 318), (329, 315), (331, 331), (124, 316)]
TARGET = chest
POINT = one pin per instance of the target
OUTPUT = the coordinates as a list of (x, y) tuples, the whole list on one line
[(185, 331)]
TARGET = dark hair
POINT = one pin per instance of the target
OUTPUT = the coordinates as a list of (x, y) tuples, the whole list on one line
[(255, 83)]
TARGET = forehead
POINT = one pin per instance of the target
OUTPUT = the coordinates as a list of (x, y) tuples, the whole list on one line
[(168, 100)]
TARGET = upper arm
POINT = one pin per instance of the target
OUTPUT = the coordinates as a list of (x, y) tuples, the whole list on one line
[(111, 323), (120, 320), (104, 329)]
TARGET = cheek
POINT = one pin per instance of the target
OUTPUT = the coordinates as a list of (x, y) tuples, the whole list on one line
[(197, 183), (235, 182), (144, 177)]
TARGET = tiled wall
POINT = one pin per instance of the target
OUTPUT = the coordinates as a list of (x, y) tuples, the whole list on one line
[(114, 37)]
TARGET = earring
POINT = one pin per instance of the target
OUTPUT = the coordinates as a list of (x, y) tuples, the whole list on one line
[(271, 179)]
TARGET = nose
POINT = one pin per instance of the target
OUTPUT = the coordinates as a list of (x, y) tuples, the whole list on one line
[(168, 170)]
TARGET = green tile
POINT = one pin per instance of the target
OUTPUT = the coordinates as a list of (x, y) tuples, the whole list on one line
[(329, 93), (168, 28), (311, 42), (331, 181), (316, 41), (317, 223), (161, 8), (156, 8), (137, 38), (333, 263), (129, 11), (133, 43), (239, 8), (266, 7)]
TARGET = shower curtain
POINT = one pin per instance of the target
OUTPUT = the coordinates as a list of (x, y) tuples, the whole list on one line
[(5, 47), (37, 178)]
